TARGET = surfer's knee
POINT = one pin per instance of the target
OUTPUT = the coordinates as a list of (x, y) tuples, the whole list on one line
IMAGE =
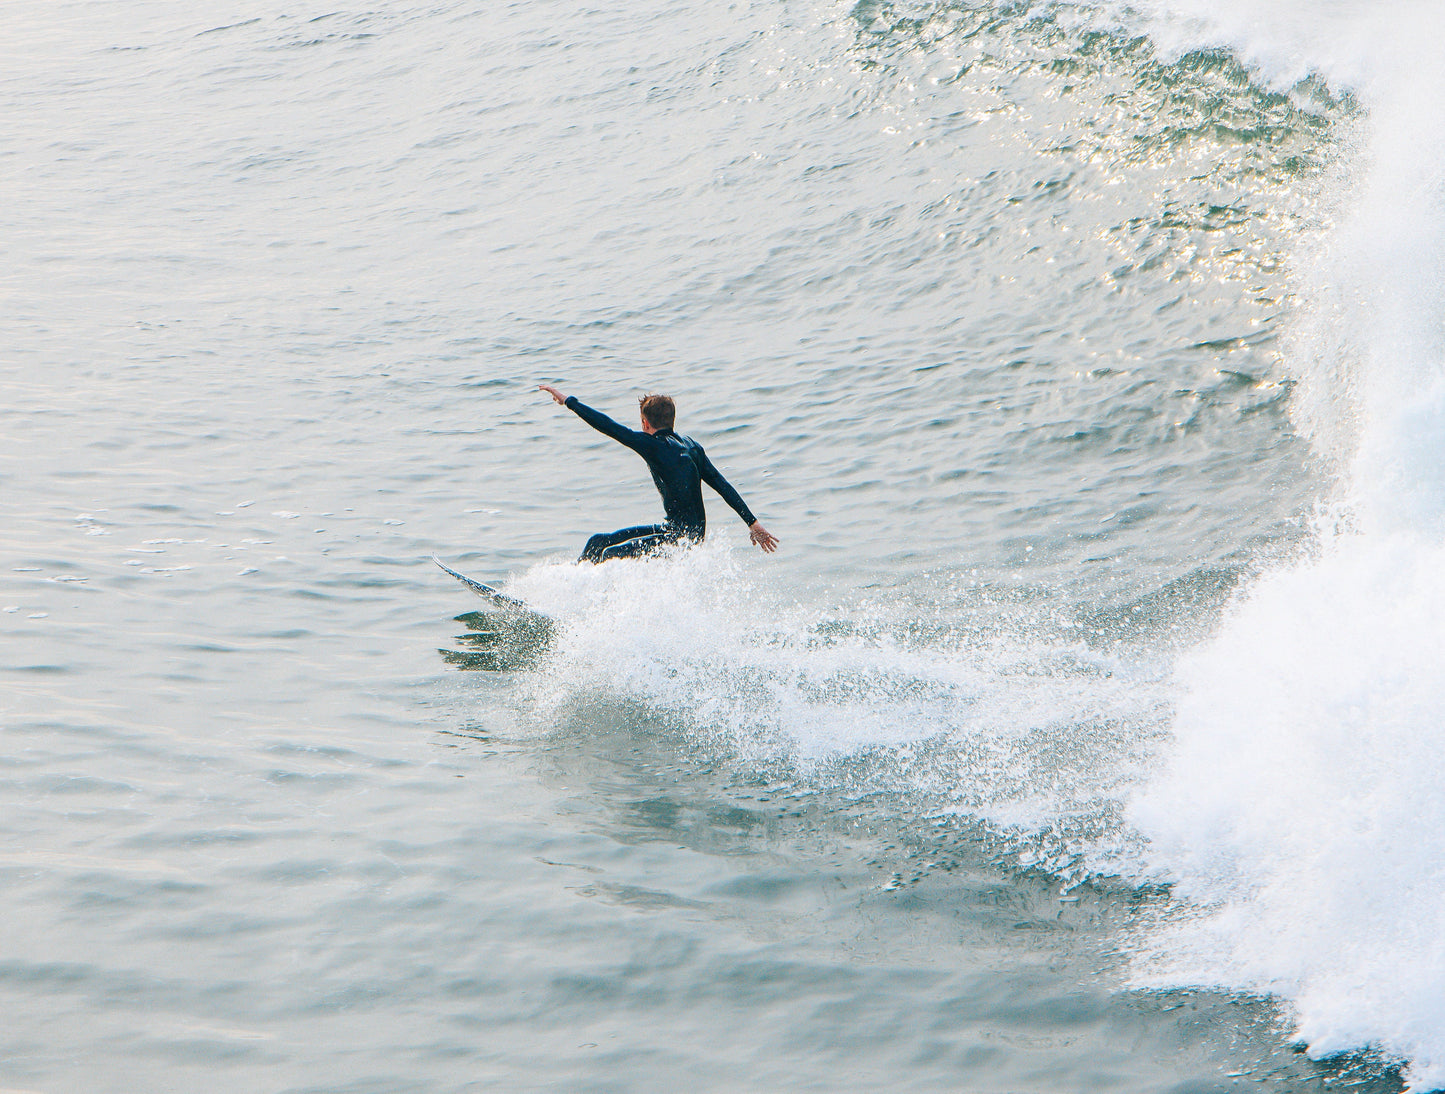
[(595, 546)]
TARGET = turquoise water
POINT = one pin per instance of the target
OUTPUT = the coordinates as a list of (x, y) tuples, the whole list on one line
[(1085, 361)]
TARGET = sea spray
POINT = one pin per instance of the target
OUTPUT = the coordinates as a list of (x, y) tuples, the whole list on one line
[(1018, 723)]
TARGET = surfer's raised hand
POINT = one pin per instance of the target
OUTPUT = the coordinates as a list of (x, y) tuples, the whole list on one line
[(559, 398), (762, 537)]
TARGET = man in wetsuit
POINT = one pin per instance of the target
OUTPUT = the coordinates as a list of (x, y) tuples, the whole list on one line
[(679, 467)]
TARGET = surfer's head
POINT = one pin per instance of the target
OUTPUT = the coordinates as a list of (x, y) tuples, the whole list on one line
[(658, 411)]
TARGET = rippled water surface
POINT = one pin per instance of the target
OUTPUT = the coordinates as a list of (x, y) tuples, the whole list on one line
[(987, 313)]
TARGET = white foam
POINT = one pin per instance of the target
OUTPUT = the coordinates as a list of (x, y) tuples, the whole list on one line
[(1305, 798), (1304, 803)]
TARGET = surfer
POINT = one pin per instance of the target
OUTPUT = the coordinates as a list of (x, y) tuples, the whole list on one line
[(679, 467)]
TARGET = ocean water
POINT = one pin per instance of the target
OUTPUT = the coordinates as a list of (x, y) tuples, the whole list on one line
[(1082, 736)]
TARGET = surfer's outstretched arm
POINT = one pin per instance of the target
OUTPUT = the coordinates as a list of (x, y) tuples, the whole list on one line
[(595, 418)]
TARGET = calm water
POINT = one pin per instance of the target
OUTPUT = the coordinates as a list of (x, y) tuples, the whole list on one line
[(1085, 362)]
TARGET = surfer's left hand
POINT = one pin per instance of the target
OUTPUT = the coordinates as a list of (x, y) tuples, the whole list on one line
[(762, 537), (552, 391)]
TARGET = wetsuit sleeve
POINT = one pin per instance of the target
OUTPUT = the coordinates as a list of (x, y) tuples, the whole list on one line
[(713, 478), (603, 424)]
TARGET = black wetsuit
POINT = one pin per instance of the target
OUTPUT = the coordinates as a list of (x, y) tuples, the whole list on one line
[(679, 467)]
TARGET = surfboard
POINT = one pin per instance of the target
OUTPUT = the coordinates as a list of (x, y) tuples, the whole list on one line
[(510, 634), (500, 600)]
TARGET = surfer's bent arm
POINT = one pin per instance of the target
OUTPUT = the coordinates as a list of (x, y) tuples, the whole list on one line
[(713, 477)]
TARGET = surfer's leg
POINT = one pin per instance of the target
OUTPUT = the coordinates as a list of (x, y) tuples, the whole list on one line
[(641, 545), (605, 543)]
